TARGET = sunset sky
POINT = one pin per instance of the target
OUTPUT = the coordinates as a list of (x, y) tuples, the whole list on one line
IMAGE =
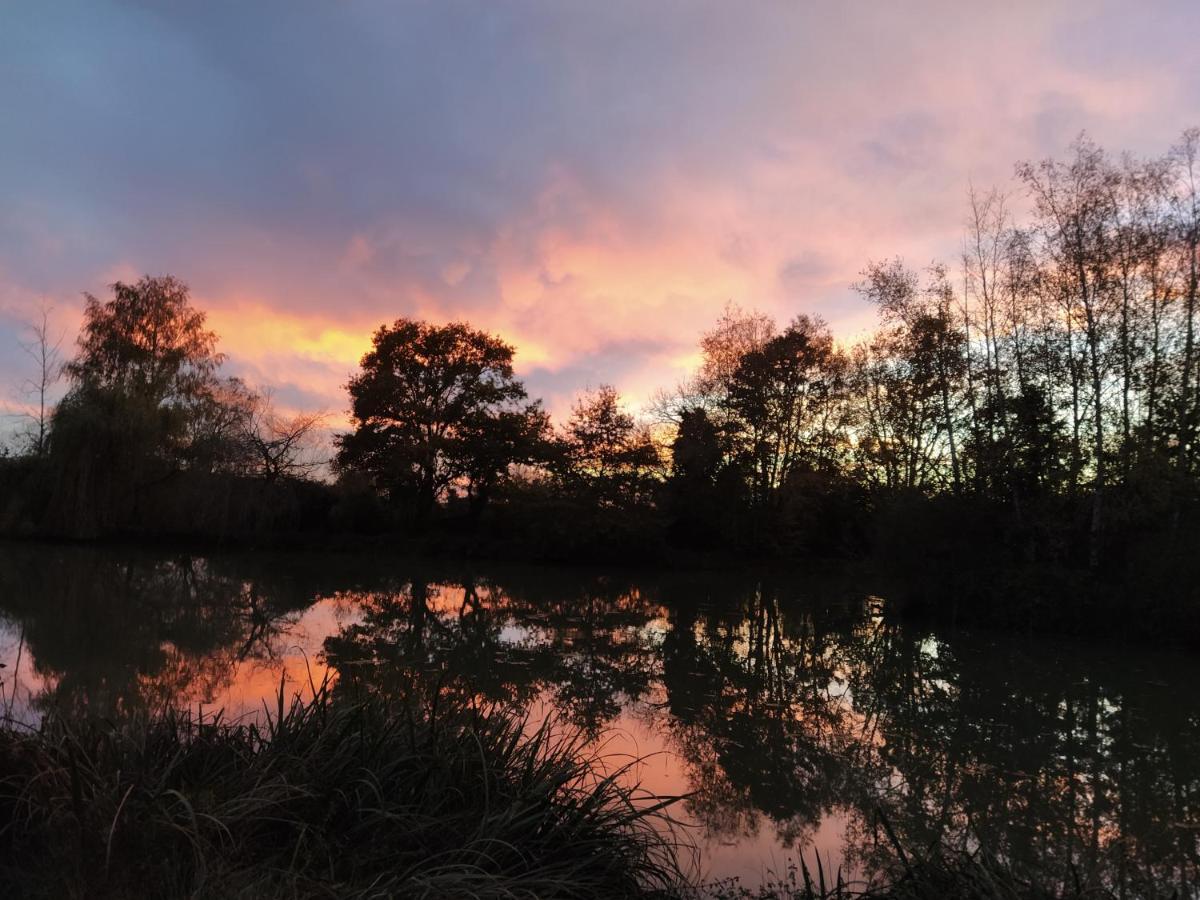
[(593, 181)]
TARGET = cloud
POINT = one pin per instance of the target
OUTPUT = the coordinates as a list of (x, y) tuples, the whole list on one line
[(591, 181)]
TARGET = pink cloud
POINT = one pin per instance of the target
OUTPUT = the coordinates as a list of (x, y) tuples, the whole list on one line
[(592, 191)]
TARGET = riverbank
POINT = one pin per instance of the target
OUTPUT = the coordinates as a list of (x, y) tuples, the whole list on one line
[(352, 797), (1147, 604)]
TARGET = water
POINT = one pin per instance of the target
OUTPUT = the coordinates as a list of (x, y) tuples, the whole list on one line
[(790, 710)]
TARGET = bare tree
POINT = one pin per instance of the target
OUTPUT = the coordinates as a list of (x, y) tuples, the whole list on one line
[(45, 350), (1078, 219), (282, 446), (1187, 157)]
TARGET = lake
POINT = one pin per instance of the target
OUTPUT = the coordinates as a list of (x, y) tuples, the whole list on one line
[(791, 711)]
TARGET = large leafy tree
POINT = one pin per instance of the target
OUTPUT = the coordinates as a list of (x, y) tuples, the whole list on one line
[(147, 341), (435, 405), (706, 486), (145, 400)]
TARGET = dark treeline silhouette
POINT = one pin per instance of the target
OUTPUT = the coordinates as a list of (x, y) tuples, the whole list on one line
[(1037, 405)]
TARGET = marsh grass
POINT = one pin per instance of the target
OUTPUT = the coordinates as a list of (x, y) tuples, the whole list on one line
[(940, 874), (325, 798)]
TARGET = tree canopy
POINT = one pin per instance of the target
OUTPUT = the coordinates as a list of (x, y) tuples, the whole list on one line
[(434, 405)]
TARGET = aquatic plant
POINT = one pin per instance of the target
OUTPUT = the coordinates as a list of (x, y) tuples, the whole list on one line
[(325, 798)]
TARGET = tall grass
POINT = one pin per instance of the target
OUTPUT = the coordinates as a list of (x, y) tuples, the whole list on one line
[(329, 798), (941, 874)]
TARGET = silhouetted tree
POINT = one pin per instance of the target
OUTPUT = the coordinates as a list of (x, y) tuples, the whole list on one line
[(434, 405), (606, 455), (148, 341), (218, 426), (916, 386), (704, 491), (43, 348), (1077, 221), (736, 333), (785, 404), (1029, 460), (280, 446), (144, 400), (1186, 207)]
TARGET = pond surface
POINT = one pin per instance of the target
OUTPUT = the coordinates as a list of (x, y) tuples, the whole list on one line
[(789, 709)]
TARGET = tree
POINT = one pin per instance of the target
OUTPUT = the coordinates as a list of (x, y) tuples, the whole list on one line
[(606, 453), (44, 350), (697, 452), (736, 333), (1186, 156), (218, 425), (147, 351), (280, 446), (1077, 219), (783, 401), (509, 437), (434, 405), (897, 443), (920, 330), (148, 341), (143, 403), (1023, 456), (704, 490)]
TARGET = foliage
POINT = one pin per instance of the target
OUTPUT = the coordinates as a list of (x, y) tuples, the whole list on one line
[(962, 875), (436, 405), (605, 455)]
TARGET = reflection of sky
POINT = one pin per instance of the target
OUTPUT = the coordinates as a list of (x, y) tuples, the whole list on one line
[(19, 682), (938, 710), (295, 657), (293, 652), (593, 181)]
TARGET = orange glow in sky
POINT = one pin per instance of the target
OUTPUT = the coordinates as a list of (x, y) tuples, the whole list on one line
[(592, 182)]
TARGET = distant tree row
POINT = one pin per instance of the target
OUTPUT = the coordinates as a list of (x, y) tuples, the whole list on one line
[(1050, 387), (1063, 364)]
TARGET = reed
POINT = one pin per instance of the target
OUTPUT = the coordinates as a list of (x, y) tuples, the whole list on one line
[(325, 798), (939, 875)]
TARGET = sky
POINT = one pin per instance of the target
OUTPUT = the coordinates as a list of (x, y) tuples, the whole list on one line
[(592, 181)]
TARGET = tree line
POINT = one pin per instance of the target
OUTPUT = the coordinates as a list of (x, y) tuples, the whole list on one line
[(1041, 395)]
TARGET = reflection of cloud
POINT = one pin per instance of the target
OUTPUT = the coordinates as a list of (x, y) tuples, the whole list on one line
[(592, 191)]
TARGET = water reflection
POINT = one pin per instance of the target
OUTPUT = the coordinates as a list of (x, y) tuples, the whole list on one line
[(585, 647), (791, 713)]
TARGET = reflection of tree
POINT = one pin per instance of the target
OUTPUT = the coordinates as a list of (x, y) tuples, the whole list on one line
[(112, 635), (780, 711), (1044, 757), (1054, 760), (586, 650), (759, 716), (596, 651), (418, 642)]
